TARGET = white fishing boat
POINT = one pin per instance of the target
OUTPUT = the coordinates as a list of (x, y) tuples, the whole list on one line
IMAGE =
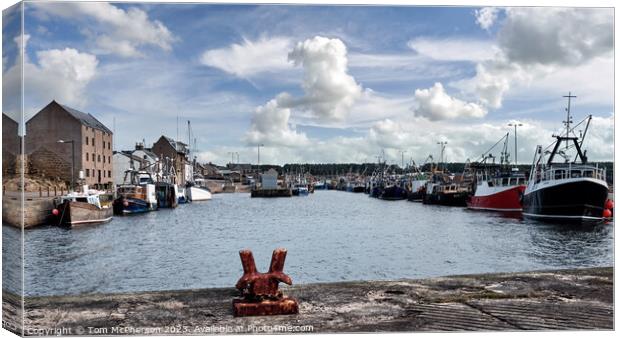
[(197, 193), (87, 207)]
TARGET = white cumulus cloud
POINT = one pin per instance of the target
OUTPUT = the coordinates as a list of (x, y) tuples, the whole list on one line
[(113, 30), (329, 93), (270, 126), (60, 74), (435, 104), (536, 43), (556, 36), (329, 90), (250, 58), (485, 17)]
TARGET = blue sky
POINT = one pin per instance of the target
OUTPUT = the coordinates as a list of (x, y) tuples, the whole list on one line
[(318, 83)]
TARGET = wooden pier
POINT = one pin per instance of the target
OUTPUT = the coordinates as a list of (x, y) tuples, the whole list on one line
[(576, 299)]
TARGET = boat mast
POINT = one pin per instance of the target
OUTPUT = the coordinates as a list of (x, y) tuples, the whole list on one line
[(568, 118)]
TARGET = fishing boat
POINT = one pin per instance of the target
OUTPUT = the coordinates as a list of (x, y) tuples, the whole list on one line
[(569, 191), (443, 189), (88, 207), (136, 195), (320, 185), (167, 195), (393, 192), (417, 182), (198, 191), (417, 190), (358, 187), (502, 191), (182, 195), (497, 187), (300, 190)]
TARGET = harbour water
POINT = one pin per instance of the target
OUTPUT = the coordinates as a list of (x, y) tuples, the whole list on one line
[(330, 236)]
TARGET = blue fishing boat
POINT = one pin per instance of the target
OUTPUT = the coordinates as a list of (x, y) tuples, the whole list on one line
[(137, 195)]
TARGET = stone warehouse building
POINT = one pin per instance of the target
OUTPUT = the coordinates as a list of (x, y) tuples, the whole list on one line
[(92, 142), (175, 153)]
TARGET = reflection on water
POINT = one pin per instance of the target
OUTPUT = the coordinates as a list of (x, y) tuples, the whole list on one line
[(330, 235)]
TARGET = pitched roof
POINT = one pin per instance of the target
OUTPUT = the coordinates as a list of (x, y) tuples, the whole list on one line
[(182, 147), (86, 119), (147, 151), (129, 154)]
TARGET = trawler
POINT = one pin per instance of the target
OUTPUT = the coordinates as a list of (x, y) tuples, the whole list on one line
[(136, 195), (86, 207), (198, 190), (497, 187), (567, 191)]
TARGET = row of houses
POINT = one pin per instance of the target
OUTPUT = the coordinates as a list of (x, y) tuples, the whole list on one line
[(59, 138)]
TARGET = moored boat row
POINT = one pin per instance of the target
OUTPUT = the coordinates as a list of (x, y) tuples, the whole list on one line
[(568, 191)]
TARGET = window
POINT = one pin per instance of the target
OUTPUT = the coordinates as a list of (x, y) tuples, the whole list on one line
[(86, 140), (93, 157), (93, 139), (559, 174), (87, 172), (108, 145), (98, 158), (109, 160), (109, 173), (103, 144)]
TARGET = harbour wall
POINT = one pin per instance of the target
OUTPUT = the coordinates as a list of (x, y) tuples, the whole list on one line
[(36, 211), (572, 299)]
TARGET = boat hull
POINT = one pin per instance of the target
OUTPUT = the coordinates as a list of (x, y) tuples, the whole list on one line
[(300, 191), (127, 206), (81, 213), (580, 201), (198, 194), (458, 199), (416, 196), (393, 193), (167, 195), (359, 188), (504, 200)]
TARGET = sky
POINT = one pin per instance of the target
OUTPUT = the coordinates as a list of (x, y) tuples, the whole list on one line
[(318, 84)]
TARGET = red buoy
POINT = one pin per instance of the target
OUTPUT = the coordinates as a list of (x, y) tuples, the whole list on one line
[(55, 212), (607, 213), (609, 204)]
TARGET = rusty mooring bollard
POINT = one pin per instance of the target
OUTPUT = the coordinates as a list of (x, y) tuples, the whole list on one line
[(261, 296)]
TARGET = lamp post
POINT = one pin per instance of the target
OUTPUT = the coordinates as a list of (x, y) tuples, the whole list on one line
[(442, 144), (72, 161), (232, 158), (516, 124), (258, 160), (402, 158)]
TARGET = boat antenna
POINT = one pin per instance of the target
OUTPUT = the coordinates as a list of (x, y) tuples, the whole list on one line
[(568, 117), (583, 135)]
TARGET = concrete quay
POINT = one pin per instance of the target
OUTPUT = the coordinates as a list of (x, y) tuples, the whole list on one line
[(574, 299)]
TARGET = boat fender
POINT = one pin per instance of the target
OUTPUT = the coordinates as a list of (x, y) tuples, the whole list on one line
[(607, 213), (609, 204), (125, 203), (55, 212)]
